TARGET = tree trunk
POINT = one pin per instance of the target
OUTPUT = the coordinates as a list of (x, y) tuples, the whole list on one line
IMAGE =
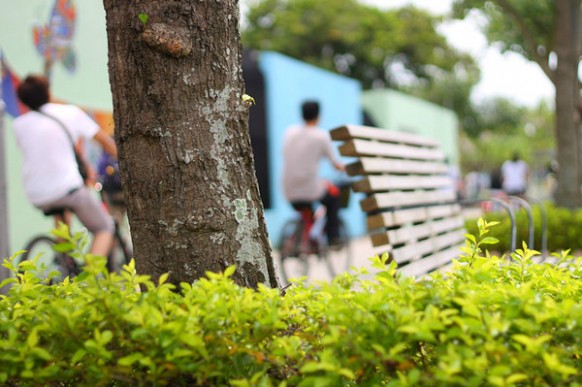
[(181, 129), (568, 135)]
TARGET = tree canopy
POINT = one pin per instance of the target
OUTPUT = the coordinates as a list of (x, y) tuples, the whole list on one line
[(378, 47), (524, 27), (547, 32), (404, 50)]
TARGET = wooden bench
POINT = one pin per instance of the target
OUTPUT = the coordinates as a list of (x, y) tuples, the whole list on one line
[(411, 208)]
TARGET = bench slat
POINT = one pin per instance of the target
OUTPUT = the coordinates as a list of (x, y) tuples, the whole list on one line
[(395, 218), (428, 264), (385, 183), (399, 199), (413, 233), (416, 250), (446, 210), (356, 148), (431, 229), (347, 132), (374, 165), (411, 209)]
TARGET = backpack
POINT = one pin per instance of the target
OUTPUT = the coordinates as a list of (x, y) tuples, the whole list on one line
[(108, 169)]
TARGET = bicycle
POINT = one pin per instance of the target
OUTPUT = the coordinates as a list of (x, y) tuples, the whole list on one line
[(50, 259), (304, 236)]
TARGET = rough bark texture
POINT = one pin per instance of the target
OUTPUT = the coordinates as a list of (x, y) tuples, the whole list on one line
[(568, 133), (181, 129)]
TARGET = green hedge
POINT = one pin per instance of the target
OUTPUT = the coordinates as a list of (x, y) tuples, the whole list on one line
[(490, 322), (564, 228)]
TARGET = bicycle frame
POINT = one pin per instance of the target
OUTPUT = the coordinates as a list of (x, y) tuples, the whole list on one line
[(313, 223)]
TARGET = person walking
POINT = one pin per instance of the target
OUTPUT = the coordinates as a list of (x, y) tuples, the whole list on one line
[(514, 176)]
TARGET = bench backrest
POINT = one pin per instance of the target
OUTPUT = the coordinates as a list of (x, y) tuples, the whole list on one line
[(410, 200)]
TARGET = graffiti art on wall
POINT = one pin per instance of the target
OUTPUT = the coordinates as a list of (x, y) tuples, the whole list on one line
[(54, 40)]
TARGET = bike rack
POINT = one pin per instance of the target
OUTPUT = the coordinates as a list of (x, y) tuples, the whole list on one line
[(523, 203), (544, 220), (509, 211)]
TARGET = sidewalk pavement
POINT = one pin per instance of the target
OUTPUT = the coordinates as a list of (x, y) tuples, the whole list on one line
[(362, 250)]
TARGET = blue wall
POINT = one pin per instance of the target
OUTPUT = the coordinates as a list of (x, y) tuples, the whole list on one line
[(288, 83)]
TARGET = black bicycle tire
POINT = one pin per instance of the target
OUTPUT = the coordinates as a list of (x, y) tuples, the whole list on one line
[(296, 234), (32, 242), (332, 267), (58, 259), (124, 248), (119, 244)]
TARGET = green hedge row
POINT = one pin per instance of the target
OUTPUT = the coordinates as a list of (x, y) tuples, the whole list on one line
[(489, 322), (564, 228)]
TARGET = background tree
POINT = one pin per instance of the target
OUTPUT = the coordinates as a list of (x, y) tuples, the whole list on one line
[(500, 116), (379, 48), (182, 133), (504, 128), (546, 32), (397, 48), (402, 49), (452, 90)]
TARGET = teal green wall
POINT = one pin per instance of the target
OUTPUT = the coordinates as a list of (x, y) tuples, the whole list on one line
[(88, 86), (394, 110)]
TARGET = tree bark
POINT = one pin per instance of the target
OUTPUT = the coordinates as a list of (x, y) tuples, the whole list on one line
[(181, 129), (568, 134)]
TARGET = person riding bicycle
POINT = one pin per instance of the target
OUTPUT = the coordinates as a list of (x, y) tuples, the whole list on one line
[(50, 171), (303, 147), (111, 189)]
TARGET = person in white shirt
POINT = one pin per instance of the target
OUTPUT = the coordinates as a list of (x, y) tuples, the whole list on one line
[(303, 147), (50, 171), (514, 176)]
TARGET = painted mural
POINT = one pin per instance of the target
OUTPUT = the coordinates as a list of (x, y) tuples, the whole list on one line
[(54, 42), (66, 41)]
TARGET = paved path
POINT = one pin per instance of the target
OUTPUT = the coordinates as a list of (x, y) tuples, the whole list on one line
[(362, 250)]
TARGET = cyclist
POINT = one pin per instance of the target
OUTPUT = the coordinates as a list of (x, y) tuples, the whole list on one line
[(50, 172), (303, 147), (111, 189)]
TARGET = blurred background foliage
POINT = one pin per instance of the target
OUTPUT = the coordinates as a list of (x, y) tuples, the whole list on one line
[(402, 48)]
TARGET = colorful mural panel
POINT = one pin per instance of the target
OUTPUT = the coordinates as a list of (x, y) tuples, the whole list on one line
[(54, 40)]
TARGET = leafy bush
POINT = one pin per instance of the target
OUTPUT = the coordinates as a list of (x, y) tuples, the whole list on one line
[(564, 228), (488, 322)]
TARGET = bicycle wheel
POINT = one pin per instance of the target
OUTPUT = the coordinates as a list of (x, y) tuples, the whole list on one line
[(120, 252), (338, 257), (294, 262), (49, 260)]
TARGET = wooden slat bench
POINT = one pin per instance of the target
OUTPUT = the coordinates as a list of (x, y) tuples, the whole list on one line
[(409, 201)]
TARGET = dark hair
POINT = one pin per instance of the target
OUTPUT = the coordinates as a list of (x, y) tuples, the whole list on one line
[(310, 110), (33, 91)]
